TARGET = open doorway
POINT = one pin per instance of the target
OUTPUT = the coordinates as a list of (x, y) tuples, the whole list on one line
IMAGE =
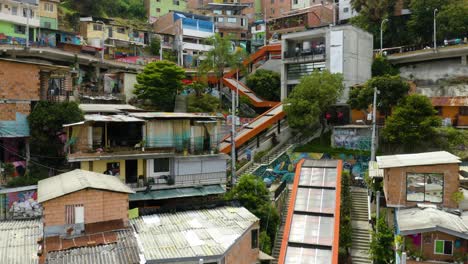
[(131, 171)]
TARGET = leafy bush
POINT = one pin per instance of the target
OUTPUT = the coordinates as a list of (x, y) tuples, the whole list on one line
[(259, 155), (205, 103), (266, 84)]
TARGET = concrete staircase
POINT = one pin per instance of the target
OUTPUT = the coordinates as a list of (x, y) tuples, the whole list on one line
[(181, 104), (279, 235), (361, 228), (267, 159)]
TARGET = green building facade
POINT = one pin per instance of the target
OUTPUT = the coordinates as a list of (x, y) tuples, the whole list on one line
[(157, 8), (11, 33), (50, 23)]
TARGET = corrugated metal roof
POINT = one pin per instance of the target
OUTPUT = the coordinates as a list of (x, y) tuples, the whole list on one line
[(192, 234), (107, 108), (106, 118), (419, 159), (450, 101), (18, 241), (76, 180), (125, 251), (150, 115), (417, 220), (177, 193)]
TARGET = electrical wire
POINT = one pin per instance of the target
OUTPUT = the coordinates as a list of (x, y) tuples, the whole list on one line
[(31, 161)]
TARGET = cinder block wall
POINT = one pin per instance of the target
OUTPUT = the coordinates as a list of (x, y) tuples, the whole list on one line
[(19, 81)]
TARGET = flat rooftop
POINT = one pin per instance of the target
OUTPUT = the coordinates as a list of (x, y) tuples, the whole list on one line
[(418, 159)]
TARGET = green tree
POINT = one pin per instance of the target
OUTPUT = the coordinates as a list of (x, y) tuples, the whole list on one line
[(45, 123), (422, 16), (452, 20), (159, 83), (205, 103), (412, 123), (266, 84), (381, 248), (220, 57), (252, 193), (381, 67), (311, 97), (391, 90), (374, 10), (155, 45)]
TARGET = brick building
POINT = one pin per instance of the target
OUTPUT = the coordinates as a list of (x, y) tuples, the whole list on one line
[(22, 84), (420, 188), (74, 201)]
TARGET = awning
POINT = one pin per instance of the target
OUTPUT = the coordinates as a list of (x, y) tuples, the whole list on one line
[(177, 193)]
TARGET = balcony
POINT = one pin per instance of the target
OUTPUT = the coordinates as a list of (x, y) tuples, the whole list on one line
[(179, 181), (195, 46), (17, 19), (196, 33), (313, 54)]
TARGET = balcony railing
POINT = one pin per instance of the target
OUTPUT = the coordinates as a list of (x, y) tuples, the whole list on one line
[(313, 53), (178, 181)]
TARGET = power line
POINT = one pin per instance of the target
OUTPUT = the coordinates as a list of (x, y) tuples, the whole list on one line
[(31, 161)]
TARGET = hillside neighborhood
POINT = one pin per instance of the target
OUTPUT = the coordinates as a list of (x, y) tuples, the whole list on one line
[(233, 131)]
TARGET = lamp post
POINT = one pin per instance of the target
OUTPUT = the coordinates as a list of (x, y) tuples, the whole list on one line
[(435, 29), (381, 34), (374, 126), (103, 37)]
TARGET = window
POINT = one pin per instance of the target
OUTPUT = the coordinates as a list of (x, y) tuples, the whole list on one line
[(443, 247), (232, 20), (229, 12), (220, 19), (296, 2), (158, 10), (20, 29), (425, 187), (74, 214), (47, 25), (120, 30), (49, 7), (14, 10), (346, 10), (254, 236), (463, 110), (113, 168), (243, 35), (97, 27), (175, 2), (273, 11), (217, 12), (243, 21), (161, 165)]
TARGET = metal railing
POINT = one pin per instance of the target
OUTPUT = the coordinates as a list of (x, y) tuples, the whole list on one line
[(177, 181)]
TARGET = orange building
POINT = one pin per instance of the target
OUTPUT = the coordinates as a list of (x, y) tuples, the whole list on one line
[(453, 109)]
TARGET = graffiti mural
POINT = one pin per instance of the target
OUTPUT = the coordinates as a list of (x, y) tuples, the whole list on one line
[(359, 139), (20, 205)]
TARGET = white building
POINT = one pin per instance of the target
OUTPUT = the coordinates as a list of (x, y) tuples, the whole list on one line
[(346, 10), (341, 49)]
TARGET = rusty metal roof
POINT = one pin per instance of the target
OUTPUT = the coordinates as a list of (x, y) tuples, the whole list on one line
[(449, 101)]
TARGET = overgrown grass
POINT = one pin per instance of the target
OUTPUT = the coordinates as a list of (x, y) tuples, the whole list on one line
[(323, 145)]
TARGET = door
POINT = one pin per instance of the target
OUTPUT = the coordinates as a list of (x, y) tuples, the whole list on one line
[(131, 171)]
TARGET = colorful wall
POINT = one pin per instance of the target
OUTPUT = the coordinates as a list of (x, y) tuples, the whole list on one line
[(164, 7), (101, 166), (19, 203), (8, 35)]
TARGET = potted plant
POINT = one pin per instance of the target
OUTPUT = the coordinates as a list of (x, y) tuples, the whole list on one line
[(143, 144)]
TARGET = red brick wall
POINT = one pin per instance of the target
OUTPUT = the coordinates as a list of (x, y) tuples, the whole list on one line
[(277, 6), (428, 241), (8, 111), (242, 252), (19, 81), (395, 183), (98, 205)]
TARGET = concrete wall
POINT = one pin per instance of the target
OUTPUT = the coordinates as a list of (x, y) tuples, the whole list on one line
[(394, 183), (242, 252), (433, 77), (98, 205), (129, 81)]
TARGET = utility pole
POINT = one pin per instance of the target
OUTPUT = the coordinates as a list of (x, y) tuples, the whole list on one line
[(233, 140), (374, 117), (435, 29), (27, 25)]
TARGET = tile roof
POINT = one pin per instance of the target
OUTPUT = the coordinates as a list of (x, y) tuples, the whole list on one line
[(192, 234), (18, 241), (76, 180), (124, 251), (418, 159)]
